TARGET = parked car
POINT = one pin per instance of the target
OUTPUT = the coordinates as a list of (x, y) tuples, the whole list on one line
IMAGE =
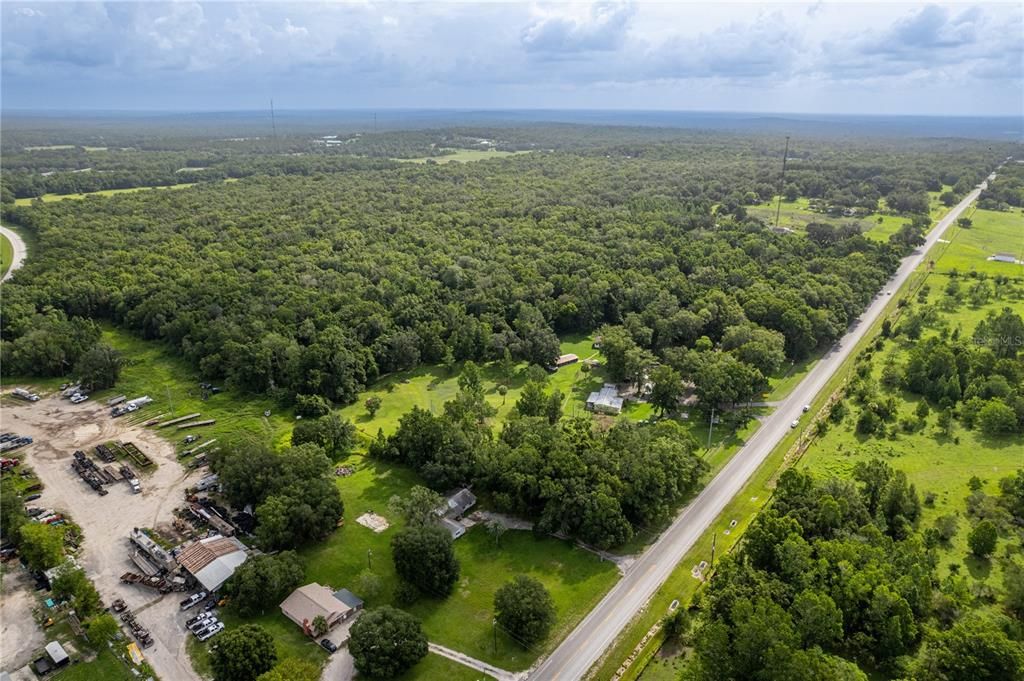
[(203, 624), (328, 645), (198, 618), (807, 408), (212, 632), (794, 424), (78, 399), (193, 600)]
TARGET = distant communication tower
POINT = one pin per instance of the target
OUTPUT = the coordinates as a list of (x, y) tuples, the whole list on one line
[(782, 183)]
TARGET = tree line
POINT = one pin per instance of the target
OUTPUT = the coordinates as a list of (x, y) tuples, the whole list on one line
[(316, 283)]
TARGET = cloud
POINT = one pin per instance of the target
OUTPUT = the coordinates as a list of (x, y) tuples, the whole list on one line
[(933, 38), (602, 29), (218, 54)]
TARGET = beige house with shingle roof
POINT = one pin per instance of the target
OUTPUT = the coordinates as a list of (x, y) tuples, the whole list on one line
[(308, 602)]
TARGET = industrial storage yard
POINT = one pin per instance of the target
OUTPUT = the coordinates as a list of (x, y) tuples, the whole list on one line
[(59, 428)]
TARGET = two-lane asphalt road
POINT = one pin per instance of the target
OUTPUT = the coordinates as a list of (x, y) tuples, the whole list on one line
[(18, 257), (597, 631)]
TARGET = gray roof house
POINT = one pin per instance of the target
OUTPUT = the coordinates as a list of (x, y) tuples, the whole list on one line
[(605, 401), (458, 503), (455, 506)]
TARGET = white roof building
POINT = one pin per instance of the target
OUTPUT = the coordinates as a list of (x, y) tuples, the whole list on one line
[(606, 400), (56, 653), (212, 560)]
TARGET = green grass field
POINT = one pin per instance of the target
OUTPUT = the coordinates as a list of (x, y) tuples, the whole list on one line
[(437, 667), (462, 156), (796, 215), (50, 147), (782, 382), (429, 387), (992, 232), (6, 254), (101, 193), (106, 667)]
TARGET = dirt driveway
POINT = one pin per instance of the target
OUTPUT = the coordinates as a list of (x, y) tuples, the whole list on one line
[(59, 428)]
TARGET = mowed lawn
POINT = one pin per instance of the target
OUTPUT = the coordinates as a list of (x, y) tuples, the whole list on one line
[(6, 254), (105, 667), (577, 579), (429, 387), (991, 232), (462, 156)]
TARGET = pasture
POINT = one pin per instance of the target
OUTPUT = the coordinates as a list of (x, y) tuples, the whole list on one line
[(462, 156), (102, 192), (879, 226), (991, 232)]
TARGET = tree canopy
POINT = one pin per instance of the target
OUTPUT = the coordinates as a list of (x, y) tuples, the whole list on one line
[(386, 641)]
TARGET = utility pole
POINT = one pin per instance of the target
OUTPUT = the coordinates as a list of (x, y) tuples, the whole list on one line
[(782, 182), (714, 537), (711, 426), (273, 125), (494, 628), (170, 402), (369, 559)]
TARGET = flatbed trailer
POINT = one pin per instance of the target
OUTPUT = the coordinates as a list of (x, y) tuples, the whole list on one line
[(196, 424), (136, 455), (179, 419)]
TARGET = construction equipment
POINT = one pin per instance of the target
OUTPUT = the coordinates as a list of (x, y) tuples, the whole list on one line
[(152, 582)]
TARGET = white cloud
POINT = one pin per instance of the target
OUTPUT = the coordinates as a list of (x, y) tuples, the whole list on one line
[(503, 54)]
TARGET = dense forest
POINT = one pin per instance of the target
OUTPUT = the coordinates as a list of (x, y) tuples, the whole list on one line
[(836, 572), (1006, 191), (320, 272)]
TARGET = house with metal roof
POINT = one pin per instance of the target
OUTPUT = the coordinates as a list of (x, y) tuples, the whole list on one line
[(605, 401)]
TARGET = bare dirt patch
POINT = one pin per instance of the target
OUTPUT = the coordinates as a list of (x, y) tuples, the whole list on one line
[(59, 428), (20, 633), (377, 523)]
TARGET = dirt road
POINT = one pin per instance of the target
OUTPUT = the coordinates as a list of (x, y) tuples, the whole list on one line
[(59, 428), (19, 252)]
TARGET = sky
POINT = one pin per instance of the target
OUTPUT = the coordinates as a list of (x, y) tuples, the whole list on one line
[(823, 57)]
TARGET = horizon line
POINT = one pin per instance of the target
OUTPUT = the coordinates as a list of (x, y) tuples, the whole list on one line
[(492, 110)]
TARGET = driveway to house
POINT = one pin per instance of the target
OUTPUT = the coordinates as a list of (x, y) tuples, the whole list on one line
[(598, 630), (18, 257)]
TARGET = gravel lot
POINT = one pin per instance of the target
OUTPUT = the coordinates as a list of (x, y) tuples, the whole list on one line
[(59, 428), (19, 634)]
